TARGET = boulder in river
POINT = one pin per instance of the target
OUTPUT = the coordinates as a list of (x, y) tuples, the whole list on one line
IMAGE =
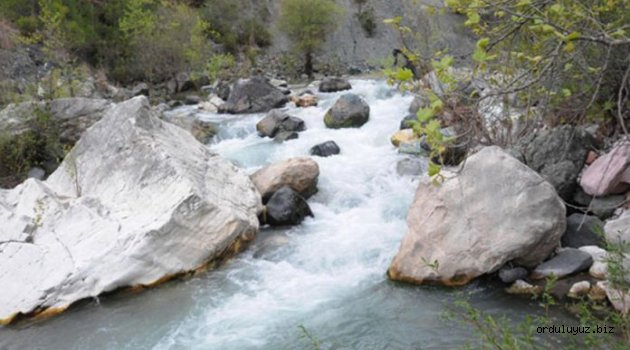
[(567, 262), (286, 207), (300, 173), (334, 84), (457, 231), (278, 121), (609, 174), (136, 202), (253, 95), (325, 149), (350, 111), (558, 155)]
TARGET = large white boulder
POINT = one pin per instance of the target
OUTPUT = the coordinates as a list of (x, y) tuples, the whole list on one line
[(494, 211), (137, 201)]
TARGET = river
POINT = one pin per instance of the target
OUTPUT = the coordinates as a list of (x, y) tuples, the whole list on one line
[(322, 283)]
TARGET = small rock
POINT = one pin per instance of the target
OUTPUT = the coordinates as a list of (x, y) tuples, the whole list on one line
[(597, 293), (609, 174), (304, 100), (334, 84), (583, 230), (286, 136), (350, 111), (567, 262), (619, 300), (599, 269), (522, 287), (418, 102), (140, 89), (36, 173), (512, 274), (412, 166), (414, 147), (579, 290), (286, 207), (591, 157), (192, 100), (405, 135), (325, 149), (406, 123)]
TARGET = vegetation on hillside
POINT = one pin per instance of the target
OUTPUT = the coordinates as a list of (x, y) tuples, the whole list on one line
[(307, 22)]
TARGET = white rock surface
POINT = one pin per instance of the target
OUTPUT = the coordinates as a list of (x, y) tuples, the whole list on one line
[(136, 201), (599, 269), (494, 211)]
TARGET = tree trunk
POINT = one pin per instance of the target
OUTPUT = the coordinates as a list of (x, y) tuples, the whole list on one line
[(308, 65)]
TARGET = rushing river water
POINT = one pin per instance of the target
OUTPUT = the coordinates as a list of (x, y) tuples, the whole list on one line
[(324, 279)]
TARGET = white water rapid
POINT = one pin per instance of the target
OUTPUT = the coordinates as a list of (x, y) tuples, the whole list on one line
[(321, 283)]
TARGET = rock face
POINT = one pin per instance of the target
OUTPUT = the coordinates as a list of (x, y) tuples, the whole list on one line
[(567, 262), (609, 174), (74, 115), (334, 84), (458, 232), (277, 121), (325, 149), (558, 155), (136, 202), (286, 207), (350, 111), (254, 95), (299, 173), (582, 230)]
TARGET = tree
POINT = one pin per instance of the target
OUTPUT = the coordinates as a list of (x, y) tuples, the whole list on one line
[(307, 22)]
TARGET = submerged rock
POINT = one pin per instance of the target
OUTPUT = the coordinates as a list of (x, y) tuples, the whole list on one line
[(413, 166), (609, 174), (299, 173), (350, 111), (286, 207), (458, 232), (567, 262), (254, 95), (334, 84), (136, 202), (325, 149)]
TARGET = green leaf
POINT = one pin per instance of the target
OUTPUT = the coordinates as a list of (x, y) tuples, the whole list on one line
[(424, 114), (404, 74), (434, 169)]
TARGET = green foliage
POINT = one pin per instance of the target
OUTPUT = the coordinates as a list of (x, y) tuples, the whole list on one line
[(569, 54), (220, 66), (367, 18), (307, 23), (34, 147)]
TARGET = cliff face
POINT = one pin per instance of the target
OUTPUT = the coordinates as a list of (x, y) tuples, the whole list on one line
[(350, 45)]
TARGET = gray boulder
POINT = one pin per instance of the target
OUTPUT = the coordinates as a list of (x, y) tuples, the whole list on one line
[(325, 149), (253, 95), (278, 121), (413, 166), (140, 89), (567, 262), (419, 101), (583, 230), (286, 207), (137, 201), (457, 232), (334, 84), (558, 155), (350, 111)]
